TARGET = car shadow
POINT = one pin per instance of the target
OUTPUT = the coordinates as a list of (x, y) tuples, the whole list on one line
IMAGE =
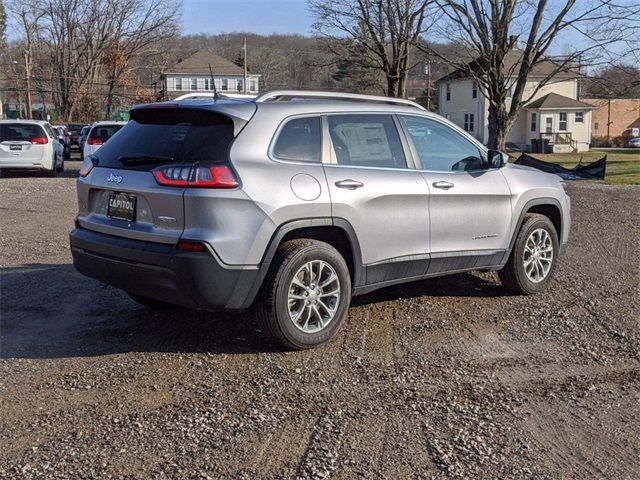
[(51, 311)]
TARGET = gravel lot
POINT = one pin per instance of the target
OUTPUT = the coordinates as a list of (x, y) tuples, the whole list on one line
[(446, 378)]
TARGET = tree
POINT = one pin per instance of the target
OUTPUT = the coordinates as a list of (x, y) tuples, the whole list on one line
[(138, 25), (490, 31), (3, 23), (615, 81), (356, 65), (391, 28)]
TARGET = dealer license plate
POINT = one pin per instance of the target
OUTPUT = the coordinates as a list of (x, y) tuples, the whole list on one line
[(122, 206)]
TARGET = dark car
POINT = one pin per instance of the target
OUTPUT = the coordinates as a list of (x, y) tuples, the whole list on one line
[(74, 130)]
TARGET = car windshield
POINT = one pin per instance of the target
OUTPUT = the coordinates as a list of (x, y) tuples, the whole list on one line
[(20, 132), (75, 128), (156, 136), (104, 132)]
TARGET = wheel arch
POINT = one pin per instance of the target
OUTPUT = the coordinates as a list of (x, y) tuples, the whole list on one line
[(337, 232), (549, 207)]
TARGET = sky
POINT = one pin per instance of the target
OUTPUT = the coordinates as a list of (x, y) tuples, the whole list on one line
[(256, 16)]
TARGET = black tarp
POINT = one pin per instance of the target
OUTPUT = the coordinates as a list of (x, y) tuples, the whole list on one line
[(591, 171)]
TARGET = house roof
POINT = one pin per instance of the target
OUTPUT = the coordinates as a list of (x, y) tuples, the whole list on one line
[(555, 101), (512, 59), (199, 62)]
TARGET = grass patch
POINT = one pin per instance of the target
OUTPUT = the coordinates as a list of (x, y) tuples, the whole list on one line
[(623, 165)]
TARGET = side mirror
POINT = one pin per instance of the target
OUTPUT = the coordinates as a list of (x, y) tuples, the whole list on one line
[(496, 159)]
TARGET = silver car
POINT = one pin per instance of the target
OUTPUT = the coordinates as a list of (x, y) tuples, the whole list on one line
[(296, 201)]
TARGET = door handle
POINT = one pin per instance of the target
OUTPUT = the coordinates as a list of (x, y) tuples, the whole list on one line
[(442, 184), (349, 184)]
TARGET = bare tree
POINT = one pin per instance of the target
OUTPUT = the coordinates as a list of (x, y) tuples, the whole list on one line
[(385, 28), (490, 30), (139, 24)]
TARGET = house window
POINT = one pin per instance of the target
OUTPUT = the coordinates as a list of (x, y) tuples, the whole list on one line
[(579, 117), (252, 85), (239, 85), (548, 125), (595, 126), (225, 84), (178, 84), (468, 122), (534, 122), (509, 87), (562, 123), (448, 92), (474, 90), (194, 84), (207, 84)]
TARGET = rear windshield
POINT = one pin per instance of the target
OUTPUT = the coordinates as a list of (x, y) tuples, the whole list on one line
[(20, 132), (167, 135), (104, 132), (75, 127)]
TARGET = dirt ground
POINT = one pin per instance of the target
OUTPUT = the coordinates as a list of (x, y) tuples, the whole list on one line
[(445, 378)]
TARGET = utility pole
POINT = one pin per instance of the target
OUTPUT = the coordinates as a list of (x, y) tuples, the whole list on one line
[(427, 67), (244, 58), (27, 70)]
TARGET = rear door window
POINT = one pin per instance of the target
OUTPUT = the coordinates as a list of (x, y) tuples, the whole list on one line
[(20, 132), (158, 136), (299, 140), (367, 141)]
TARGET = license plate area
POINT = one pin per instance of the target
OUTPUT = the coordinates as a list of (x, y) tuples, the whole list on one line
[(122, 206), (15, 148)]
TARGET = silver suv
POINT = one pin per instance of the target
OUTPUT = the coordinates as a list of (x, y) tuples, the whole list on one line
[(300, 200)]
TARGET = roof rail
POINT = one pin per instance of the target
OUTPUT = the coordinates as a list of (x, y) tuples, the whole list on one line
[(287, 95), (239, 96)]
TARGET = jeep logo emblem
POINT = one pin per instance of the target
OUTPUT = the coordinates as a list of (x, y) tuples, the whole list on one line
[(114, 178)]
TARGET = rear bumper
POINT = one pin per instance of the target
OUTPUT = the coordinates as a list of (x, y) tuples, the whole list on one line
[(159, 271)]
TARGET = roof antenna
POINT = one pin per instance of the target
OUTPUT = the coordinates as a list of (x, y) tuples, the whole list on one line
[(213, 83)]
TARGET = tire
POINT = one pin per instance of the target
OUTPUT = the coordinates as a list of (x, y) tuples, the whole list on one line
[(314, 325), (54, 169), (150, 302), (517, 277)]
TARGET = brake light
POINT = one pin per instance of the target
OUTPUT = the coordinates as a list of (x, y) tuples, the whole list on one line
[(39, 140), (86, 167), (94, 141), (191, 246), (213, 176)]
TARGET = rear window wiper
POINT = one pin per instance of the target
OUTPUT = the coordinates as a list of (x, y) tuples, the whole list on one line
[(143, 159)]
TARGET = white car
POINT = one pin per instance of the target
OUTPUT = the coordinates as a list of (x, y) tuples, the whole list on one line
[(99, 134), (634, 143), (30, 145)]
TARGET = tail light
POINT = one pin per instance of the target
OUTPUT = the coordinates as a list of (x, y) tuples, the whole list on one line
[(39, 140), (86, 167), (94, 141), (212, 176)]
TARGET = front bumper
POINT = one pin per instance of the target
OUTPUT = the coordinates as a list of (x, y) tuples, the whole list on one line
[(159, 271)]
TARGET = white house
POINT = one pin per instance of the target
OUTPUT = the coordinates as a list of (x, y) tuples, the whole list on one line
[(193, 75), (554, 113)]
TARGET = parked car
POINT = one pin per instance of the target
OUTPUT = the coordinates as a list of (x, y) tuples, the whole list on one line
[(74, 131), (30, 145), (99, 134), (300, 205), (634, 143), (82, 138), (64, 139)]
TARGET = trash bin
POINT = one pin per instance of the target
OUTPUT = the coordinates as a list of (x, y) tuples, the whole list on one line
[(544, 146), (535, 145)]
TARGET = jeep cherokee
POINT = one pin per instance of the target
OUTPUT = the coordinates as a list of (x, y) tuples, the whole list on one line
[(300, 200)]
